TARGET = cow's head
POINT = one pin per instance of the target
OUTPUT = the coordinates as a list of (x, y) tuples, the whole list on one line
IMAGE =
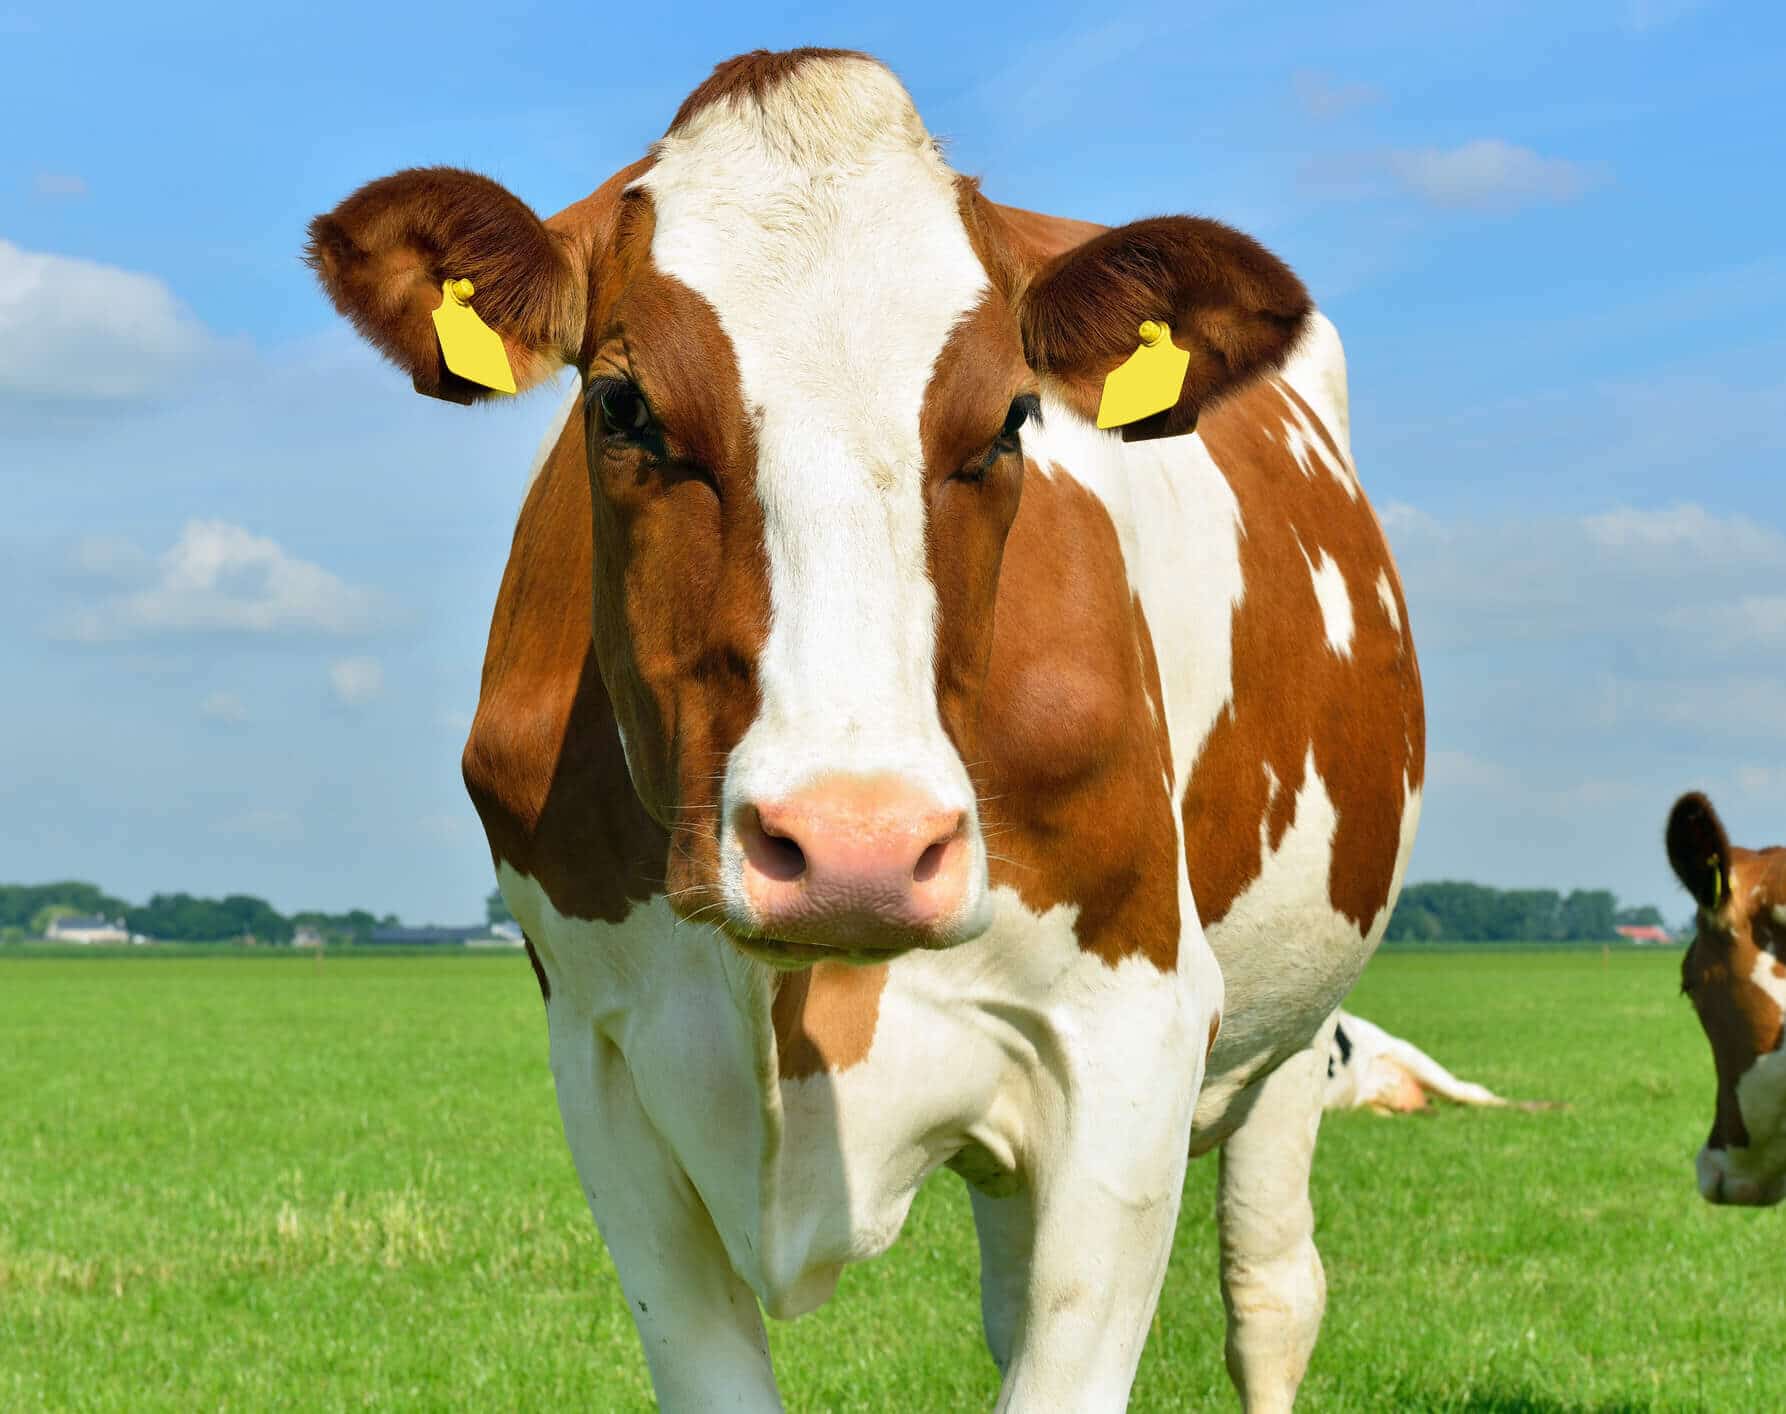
[(1735, 972), (810, 354)]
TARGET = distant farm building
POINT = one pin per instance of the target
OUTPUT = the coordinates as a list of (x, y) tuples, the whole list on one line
[(306, 937), (1644, 933), (80, 928)]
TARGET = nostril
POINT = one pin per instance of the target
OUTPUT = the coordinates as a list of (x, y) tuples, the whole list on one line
[(789, 859), (930, 862), (776, 856)]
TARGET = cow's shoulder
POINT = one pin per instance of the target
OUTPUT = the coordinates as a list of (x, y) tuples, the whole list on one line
[(1074, 758), (544, 762)]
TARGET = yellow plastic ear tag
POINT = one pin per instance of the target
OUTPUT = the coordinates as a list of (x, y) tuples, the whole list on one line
[(1717, 878), (1148, 381), (472, 349)]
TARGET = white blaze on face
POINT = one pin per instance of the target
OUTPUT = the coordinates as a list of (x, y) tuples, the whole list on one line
[(822, 227)]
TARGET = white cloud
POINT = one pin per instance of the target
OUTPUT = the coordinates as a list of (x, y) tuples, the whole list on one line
[(1324, 97), (73, 329), (1688, 529), (60, 184), (1490, 173), (1486, 174), (356, 681), (225, 707), (218, 577)]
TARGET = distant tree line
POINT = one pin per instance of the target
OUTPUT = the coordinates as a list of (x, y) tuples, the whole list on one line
[(1441, 912), (26, 910), (1474, 913)]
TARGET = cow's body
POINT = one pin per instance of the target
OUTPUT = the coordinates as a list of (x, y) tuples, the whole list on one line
[(883, 1073), (1734, 971), (1191, 722)]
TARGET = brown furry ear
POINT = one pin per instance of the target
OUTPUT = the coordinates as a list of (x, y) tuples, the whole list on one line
[(1234, 305), (384, 252), (1699, 850)]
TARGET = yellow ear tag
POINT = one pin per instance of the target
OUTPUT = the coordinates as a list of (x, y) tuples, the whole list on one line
[(1717, 878), (472, 349), (1148, 381)]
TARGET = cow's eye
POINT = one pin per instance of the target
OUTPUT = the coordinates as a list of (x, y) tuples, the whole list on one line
[(623, 408), (1022, 410)]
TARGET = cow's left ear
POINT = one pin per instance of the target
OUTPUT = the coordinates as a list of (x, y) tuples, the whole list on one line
[(384, 254), (1231, 303), (1699, 850)]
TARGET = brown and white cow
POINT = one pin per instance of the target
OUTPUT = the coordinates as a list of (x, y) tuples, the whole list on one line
[(858, 720), (1735, 972)]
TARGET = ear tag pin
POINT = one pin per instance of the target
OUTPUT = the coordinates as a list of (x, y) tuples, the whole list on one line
[(471, 348), (1148, 380)]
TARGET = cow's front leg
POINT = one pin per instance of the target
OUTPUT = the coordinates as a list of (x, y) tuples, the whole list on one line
[(1072, 1263), (699, 1324), (1272, 1282), (1099, 1236)]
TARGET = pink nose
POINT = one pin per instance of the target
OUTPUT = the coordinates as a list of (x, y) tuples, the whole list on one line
[(858, 863)]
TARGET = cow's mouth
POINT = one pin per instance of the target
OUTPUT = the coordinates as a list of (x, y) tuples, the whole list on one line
[(793, 957)]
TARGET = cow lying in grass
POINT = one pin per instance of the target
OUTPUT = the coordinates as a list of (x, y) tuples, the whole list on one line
[(1735, 973), (1368, 1069)]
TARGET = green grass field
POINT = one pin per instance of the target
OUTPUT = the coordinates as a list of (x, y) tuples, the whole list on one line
[(255, 1182)]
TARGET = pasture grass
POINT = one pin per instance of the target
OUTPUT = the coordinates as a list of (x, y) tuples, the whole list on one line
[(256, 1182)]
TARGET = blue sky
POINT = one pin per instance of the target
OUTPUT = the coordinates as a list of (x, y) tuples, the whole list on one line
[(247, 573)]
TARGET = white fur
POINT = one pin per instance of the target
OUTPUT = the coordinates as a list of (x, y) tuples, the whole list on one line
[(1335, 600), (824, 232), (1317, 371), (709, 1176), (1371, 1072), (1386, 597)]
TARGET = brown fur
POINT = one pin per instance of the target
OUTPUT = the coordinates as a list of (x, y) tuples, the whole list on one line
[(1362, 717), (825, 1017), (1073, 753), (681, 600), (1736, 930), (1236, 307), (749, 77), (384, 252)]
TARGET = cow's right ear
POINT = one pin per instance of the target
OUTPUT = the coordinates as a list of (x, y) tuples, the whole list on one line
[(1699, 850), (384, 253)]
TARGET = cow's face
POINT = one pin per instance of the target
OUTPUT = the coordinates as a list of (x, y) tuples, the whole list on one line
[(810, 356), (1735, 973)]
